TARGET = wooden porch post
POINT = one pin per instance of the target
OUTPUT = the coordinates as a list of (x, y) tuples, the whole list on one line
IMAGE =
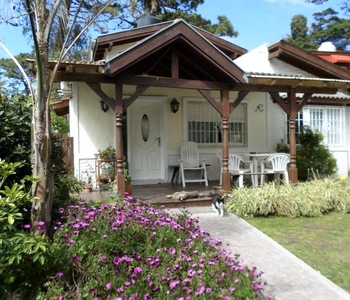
[(119, 109), (293, 170), (226, 180)]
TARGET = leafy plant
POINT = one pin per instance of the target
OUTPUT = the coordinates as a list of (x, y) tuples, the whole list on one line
[(20, 251), (309, 199), (108, 153), (313, 156), (15, 120), (282, 147), (127, 176)]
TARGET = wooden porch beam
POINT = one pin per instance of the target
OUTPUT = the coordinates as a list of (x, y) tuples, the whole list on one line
[(248, 87), (96, 87), (275, 96), (158, 60), (139, 91), (304, 100), (217, 106), (295, 82), (171, 83), (239, 99), (83, 77), (174, 64)]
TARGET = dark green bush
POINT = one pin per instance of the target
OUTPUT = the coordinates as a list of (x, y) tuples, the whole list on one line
[(313, 157)]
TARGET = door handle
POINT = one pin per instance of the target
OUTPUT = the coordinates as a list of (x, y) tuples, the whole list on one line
[(158, 139)]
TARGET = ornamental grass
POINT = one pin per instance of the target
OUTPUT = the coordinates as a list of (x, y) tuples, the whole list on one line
[(309, 199), (136, 251)]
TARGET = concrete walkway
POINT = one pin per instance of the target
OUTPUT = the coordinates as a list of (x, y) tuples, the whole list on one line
[(287, 276)]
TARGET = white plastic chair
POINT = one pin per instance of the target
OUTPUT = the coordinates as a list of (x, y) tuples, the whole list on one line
[(190, 161), (236, 166), (276, 164)]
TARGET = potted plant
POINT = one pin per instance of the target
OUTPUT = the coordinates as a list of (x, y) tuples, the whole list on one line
[(88, 179), (127, 177), (88, 185), (108, 153)]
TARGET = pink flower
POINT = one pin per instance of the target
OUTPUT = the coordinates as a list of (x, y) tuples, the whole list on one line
[(108, 285), (75, 258), (174, 284), (59, 274), (120, 219)]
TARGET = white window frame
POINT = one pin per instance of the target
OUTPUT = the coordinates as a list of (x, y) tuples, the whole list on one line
[(187, 102), (328, 120)]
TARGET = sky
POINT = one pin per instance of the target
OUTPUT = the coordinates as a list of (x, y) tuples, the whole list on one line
[(257, 21)]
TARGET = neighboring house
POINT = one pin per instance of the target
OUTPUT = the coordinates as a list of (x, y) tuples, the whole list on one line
[(139, 72)]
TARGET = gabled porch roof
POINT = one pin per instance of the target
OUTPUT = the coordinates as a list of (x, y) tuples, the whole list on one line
[(177, 51), (107, 42)]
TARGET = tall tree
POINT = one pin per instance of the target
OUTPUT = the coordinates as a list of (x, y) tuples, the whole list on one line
[(300, 33), (328, 27), (345, 6)]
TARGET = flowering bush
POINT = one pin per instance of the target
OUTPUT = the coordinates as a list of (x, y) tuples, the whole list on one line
[(133, 251)]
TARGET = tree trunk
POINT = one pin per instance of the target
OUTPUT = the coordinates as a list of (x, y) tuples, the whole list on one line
[(41, 139)]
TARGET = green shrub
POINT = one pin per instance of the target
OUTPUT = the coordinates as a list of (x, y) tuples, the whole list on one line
[(15, 120), (313, 157), (308, 199), (22, 255)]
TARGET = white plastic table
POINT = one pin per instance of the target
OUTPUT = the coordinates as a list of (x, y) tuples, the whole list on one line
[(256, 157)]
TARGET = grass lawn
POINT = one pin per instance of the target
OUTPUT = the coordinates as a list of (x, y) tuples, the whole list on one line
[(323, 243)]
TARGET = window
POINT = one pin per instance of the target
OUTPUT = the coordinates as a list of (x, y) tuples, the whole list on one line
[(327, 120), (205, 124)]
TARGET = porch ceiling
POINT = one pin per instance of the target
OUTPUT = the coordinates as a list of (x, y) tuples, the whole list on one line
[(177, 52)]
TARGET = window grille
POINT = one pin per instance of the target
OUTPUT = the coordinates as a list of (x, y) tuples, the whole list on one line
[(205, 124), (327, 120)]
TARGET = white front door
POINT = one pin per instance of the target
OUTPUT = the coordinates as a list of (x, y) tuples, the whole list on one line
[(145, 139)]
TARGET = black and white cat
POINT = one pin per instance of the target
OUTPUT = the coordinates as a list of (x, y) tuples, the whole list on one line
[(217, 203)]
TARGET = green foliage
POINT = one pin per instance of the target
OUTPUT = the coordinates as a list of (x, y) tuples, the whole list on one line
[(108, 153), (127, 176), (282, 147), (23, 258), (11, 198), (15, 120), (299, 33), (15, 82), (328, 27), (308, 199), (66, 192), (59, 124), (313, 156)]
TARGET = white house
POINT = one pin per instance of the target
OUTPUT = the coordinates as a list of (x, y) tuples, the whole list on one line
[(139, 72)]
